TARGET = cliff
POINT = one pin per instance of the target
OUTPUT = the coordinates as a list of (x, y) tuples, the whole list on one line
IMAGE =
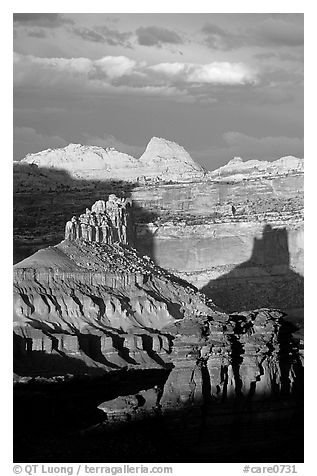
[(81, 300), (237, 233), (85, 307), (104, 336), (241, 242)]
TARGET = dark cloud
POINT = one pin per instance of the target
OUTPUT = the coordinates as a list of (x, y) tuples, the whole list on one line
[(27, 141), (88, 35), (115, 37), (248, 147), (156, 36), (111, 141), (280, 32), (278, 56), (103, 34), (219, 39), (273, 31), (37, 33), (267, 148), (48, 20)]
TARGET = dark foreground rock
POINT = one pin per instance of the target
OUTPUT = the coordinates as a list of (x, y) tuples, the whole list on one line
[(108, 345)]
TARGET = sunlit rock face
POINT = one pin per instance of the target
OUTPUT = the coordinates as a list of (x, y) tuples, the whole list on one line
[(162, 159), (240, 241), (165, 157), (105, 336), (81, 160), (236, 233), (84, 309), (237, 169)]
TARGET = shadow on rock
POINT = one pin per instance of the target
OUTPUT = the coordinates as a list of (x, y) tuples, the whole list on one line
[(45, 199), (266, 280)]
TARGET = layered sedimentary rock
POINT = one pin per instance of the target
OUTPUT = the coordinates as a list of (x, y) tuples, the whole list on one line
[(240, 242), (85, 305), (236, 233), (219, 363), (83, 308), (98, 325)]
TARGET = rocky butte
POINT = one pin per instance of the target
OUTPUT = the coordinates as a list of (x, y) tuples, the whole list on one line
[(111, 332), (235, 232), (94, 317)]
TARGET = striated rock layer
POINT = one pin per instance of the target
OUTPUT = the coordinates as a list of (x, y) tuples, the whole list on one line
[(107, 344), (236, 233), (222, 363), (98, 326), (100, 305), (240, 242), (85, 308)]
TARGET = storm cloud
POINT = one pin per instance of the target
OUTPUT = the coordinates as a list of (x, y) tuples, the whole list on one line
[(47, 20), (157, 36)]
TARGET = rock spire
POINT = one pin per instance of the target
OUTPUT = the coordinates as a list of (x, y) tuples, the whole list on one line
[(106, 222)]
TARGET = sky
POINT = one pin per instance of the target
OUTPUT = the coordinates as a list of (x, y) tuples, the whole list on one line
[(220, 85)]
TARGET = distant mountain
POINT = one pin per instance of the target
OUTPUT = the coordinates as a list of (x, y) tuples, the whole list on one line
[(162, 159), (237, 169), (165, 157), (83, 160)]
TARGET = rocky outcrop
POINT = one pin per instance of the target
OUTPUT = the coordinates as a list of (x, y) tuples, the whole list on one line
[(106, 222), (101, 326), (86, 309), (82, 161), (110, 348), (101, 304), (220, 362), (237, 170), (166, 159), (240, 242), (162, 160), (236, 233)]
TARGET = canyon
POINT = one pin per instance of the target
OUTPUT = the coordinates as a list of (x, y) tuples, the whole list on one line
[(104, 338), (230, 231), (191, 320)]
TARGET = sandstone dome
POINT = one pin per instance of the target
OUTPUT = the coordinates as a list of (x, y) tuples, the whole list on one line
[(77, 157), (162, 159), (162, 155)]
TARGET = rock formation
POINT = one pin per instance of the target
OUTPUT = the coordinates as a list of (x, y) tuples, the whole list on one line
[(85, 308), (106, 222), (80, 160), (103, 338), (240, 241), (81, 291), (165, 158), (237, 170), (236, 233), (100, 325), (162, 160), (220, 361)]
